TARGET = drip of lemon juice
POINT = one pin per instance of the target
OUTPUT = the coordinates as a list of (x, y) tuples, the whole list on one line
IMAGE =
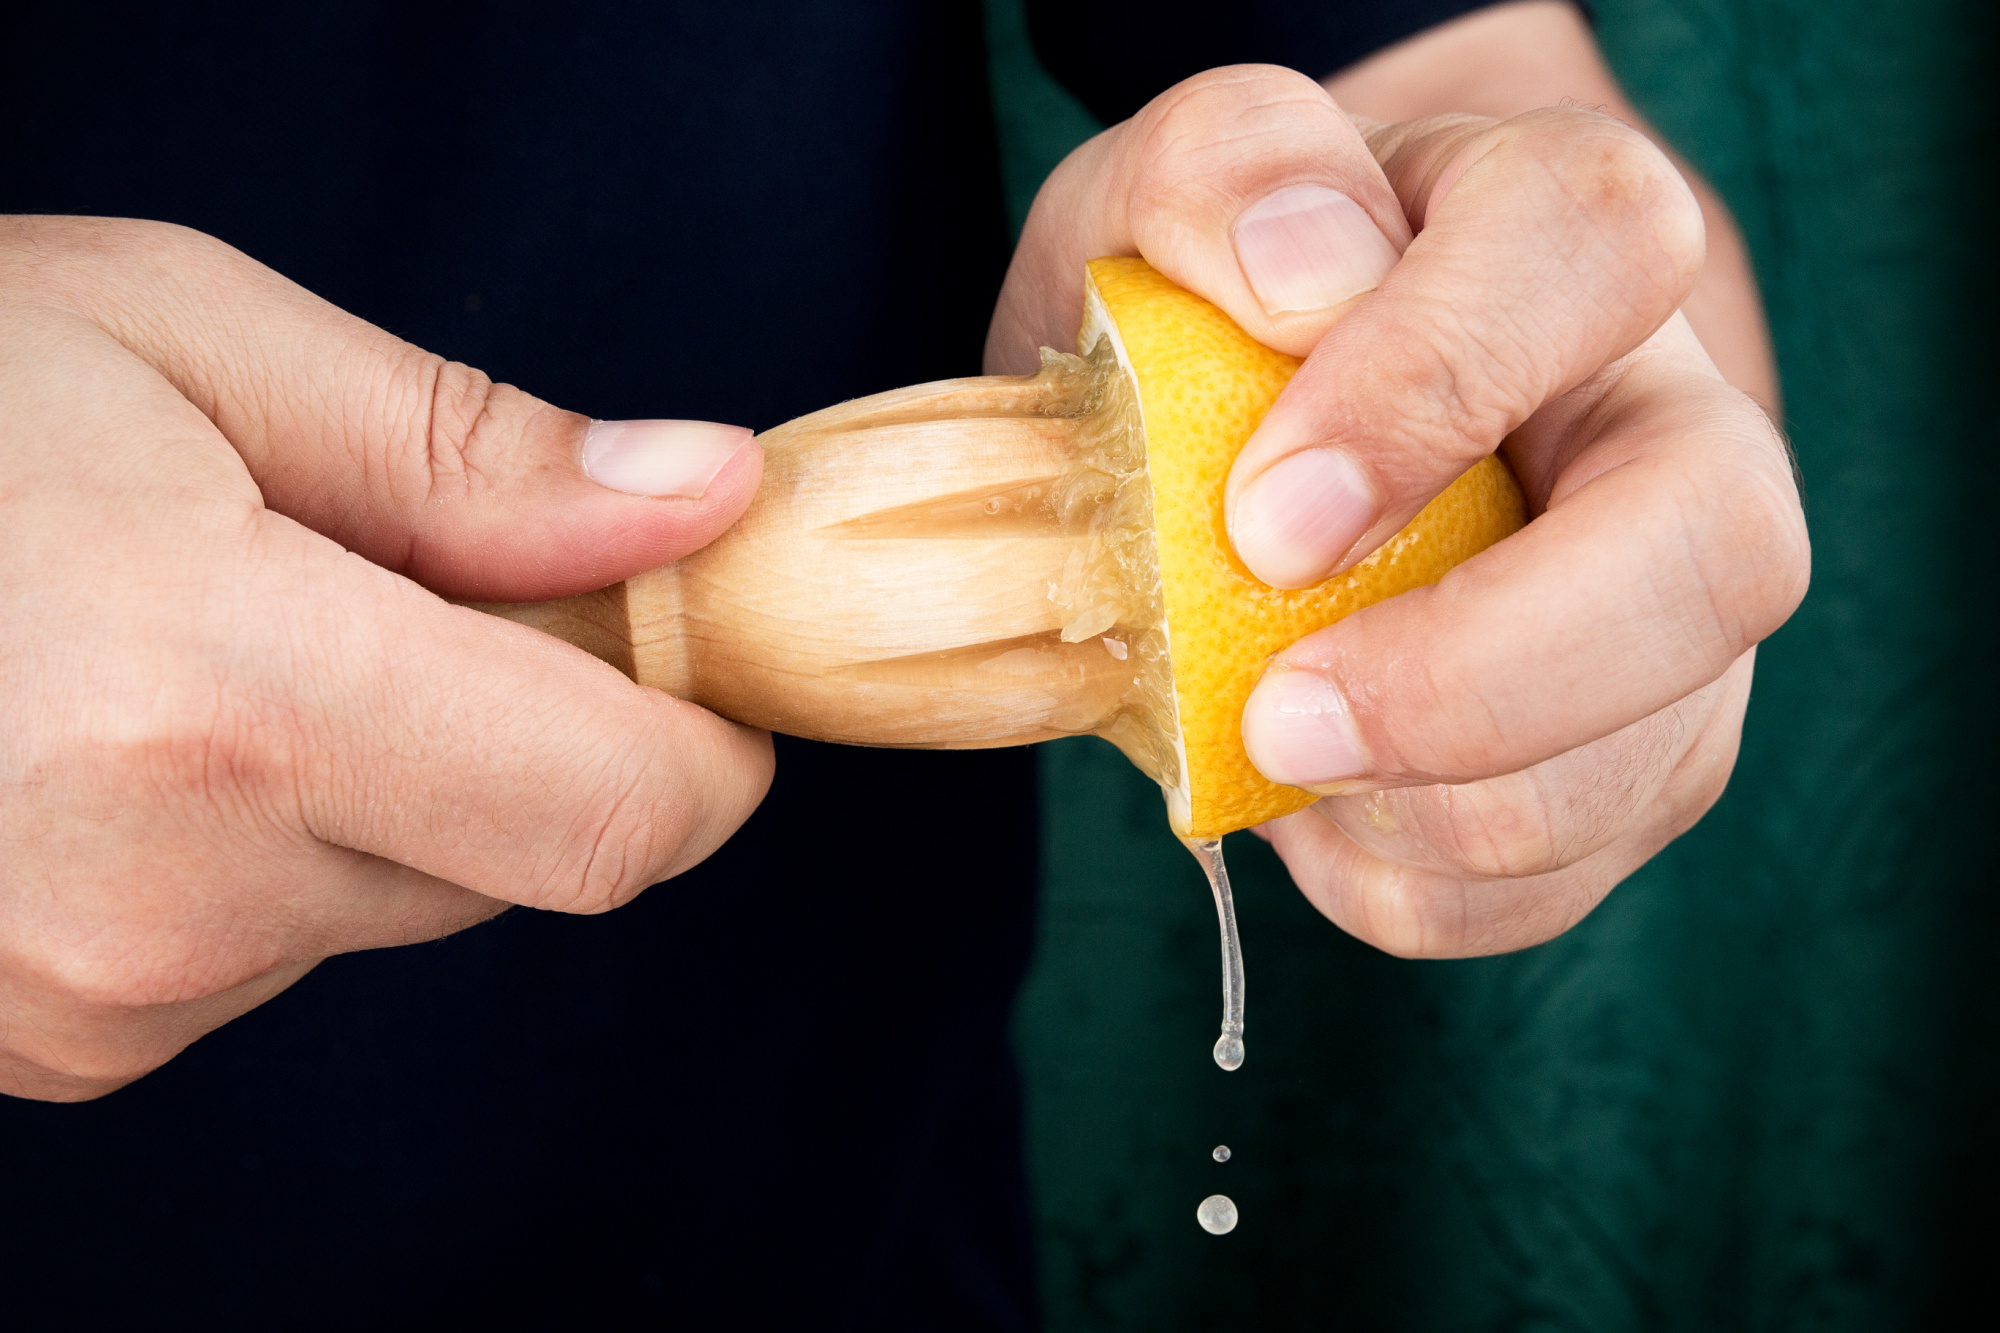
[(1229, 1046)]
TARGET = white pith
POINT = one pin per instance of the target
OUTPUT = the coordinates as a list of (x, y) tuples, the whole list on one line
[(1097, 323)]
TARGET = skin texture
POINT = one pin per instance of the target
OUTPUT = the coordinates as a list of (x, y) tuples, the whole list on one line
[(240, 731), (1501, 61), (1530, 730)]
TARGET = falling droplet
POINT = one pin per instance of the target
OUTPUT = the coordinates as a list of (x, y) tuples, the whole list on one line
[(1221, 1153), (1229, 1051), (1217, 1215), (1229, 1046)]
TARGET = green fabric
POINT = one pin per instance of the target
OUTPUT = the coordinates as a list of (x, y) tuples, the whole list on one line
[(1756, 1089)]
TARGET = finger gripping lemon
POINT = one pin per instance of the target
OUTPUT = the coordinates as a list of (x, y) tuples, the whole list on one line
[(1201, 386), (1009, 559)]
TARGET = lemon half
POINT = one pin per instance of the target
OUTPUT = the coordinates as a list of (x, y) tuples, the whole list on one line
[(1202, 384)]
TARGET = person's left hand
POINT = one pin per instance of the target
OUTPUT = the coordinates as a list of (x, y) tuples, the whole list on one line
[(1499, 750)]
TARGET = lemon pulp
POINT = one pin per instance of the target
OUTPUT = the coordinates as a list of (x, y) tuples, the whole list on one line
[(1180, 389)]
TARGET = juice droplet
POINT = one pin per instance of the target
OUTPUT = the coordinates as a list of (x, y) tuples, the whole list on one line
[(1229, 1046), (1221, 1153), (1229, 1051), (1217, 1215)]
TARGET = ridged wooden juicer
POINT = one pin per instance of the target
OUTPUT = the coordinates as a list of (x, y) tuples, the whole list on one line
[(898, 580)]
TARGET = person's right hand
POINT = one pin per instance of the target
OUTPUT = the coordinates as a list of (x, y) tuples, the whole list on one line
[(237, 733), (1498, 750)]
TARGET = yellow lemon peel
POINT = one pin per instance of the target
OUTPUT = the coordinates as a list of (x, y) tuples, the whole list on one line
[(1202, 385)]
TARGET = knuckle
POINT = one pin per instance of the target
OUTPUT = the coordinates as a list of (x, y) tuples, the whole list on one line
[(1702, 777), (466, 431), (1417, 911), (170, 242), (1550, 816), (1201, 135), (1748, 553), (1432, 718), (67, 257), (1538, 911), (1485, 379), (1626, 186), (1400, 909), (1408, 913), (619, 866), (132, 241), (1444, 917), (455, 400), (1772, 523), (1214, 100), (1500, 829), (624, 836), (108, 1065), (192, 742)]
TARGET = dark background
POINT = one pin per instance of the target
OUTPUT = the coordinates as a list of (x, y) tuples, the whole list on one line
[(775, 1092)]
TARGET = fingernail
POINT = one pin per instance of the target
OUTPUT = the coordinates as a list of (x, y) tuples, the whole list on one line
[(1298, 731), (1308, 248), (661, 458), (1294, 521)]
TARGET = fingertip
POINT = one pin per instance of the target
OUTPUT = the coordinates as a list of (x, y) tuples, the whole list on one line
[(1310, 248), (660, 458), (1252, 188), (730, 491), (1299, 731), (756, 766), (729, 786), (581, 534), (677, 484), (1294, 523)]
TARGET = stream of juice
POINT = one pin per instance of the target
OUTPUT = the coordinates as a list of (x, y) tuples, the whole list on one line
[(1229, 1046), (1217, 1213)]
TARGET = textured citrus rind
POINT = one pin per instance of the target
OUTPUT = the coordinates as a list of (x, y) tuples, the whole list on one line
[(1203, 385)]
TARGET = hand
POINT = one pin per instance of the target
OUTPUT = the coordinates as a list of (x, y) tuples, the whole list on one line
[(239, 734), (1497, 751)]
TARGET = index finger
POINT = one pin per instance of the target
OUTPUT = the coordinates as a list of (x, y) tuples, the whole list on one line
[(1239, 162), (1672, 544), (1547, 246), (484, 753)]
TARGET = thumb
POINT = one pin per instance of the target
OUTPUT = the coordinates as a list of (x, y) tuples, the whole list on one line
[(424, 466), (1245, 184)]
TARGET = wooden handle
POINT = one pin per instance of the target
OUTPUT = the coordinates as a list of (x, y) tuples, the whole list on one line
[(894, 582)]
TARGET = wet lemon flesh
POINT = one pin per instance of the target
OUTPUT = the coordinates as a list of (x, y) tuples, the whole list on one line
[(1202, 385)]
